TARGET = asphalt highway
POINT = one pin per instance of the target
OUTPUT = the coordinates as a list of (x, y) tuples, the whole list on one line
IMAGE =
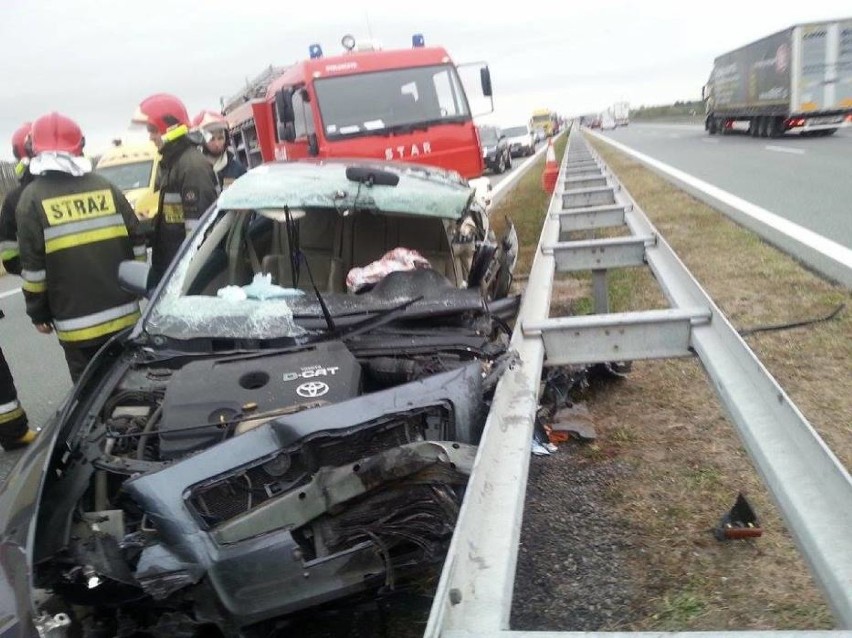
[(807, 180), (37, 362)]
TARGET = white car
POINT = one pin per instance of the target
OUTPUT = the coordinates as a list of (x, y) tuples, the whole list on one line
[(521, 140), (607, 122)]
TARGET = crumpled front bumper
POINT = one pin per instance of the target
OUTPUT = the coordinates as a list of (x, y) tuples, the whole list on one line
[(252, 563)]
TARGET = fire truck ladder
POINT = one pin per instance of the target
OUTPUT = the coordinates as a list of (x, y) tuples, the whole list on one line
[(810, 486), (255, 88)]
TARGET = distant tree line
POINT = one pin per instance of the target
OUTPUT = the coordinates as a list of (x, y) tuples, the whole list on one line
[(678, 109)]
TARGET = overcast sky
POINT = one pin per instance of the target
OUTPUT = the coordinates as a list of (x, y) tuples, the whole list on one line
[(95, 60)]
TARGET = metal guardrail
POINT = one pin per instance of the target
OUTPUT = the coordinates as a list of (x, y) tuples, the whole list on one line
[(812, 489)]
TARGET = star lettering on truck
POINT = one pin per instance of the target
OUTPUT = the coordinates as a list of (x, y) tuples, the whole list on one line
[(402, 151)]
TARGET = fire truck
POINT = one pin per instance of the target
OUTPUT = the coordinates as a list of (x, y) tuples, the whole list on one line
[(404, 105)]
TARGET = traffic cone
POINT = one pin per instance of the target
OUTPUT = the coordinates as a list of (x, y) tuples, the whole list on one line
[(551, 170)]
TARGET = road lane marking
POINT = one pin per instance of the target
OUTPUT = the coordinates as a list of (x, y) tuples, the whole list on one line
[(823, 254), (782, 149), (706, 141), (9, 293)]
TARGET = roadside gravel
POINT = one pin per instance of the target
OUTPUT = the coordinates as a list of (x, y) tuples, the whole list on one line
[(573, 551)]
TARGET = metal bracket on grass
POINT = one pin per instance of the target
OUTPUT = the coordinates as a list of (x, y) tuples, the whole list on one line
[(740, 522)]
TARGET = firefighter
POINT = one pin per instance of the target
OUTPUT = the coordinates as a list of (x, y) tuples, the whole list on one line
[(9, 253), (74, 228), (187, 183), (14, 432), (214, 130)]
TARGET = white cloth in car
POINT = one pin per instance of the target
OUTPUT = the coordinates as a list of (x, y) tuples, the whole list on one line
[(392, 261)]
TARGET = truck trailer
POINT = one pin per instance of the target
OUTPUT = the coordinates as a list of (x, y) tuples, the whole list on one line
[(621, 113), (799, 79)]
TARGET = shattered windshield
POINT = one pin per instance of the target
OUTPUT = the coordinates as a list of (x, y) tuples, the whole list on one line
[(284, 231), (366, 103), (187, 311)]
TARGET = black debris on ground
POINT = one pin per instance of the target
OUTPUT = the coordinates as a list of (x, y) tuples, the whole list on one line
[(572, 562), (399, 614)]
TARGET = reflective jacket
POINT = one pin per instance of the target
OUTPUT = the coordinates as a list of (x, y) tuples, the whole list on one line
[(9, 252), (73, 232), (232, 169), (187, 189)]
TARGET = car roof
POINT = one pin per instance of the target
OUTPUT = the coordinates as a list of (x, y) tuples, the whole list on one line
[(128, 152), (301, 184)]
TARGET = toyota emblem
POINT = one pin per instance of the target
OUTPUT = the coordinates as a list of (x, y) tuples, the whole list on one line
[(312, 389)]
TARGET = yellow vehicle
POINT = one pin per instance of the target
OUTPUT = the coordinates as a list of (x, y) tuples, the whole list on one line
[(133, 169), (544, 119)]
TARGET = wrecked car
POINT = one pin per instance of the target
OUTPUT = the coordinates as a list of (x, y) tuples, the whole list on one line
[(292, 421)]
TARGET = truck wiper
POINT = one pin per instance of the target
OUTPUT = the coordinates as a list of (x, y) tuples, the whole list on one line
[(410, 127)]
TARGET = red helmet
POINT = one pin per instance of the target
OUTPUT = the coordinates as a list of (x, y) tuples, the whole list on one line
[(55, 132), (19, 141), (164, 112), (209, 120)]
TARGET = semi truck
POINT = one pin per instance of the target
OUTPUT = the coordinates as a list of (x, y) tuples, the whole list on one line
[(621, 113), (799, 79), (404, 105)]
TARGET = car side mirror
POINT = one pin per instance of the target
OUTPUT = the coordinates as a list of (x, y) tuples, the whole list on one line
[(485, 80), (133, 277)]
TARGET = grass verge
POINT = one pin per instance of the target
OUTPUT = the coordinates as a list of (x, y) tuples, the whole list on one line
[(664, 421)]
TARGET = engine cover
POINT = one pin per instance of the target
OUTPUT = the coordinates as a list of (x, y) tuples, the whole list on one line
[(203, 397)]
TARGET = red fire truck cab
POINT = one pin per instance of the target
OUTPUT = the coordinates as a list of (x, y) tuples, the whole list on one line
[(405, 105)]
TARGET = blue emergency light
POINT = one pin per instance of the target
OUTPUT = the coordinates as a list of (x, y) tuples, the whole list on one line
[(417, 40), (315, 51)]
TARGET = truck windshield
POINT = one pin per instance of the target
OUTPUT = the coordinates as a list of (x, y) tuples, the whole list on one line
[(541, 119), (369, 103), (129, 176)]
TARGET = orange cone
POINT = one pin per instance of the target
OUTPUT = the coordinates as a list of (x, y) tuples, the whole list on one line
[(551, 169)]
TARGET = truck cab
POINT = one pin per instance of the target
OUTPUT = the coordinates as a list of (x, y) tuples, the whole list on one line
[(398, 105), (543, 118)]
